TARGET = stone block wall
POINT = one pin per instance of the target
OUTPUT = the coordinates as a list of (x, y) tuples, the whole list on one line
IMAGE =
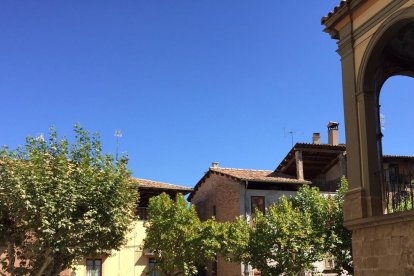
[(385, 245)]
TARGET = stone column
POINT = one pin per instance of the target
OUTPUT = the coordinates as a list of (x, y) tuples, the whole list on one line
[(354, 206)]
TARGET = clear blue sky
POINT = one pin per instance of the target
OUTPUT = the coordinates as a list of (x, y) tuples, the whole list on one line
[(188, 82)]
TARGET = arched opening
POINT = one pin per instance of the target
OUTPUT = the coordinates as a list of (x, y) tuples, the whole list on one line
[(396, 118), (390, 54)]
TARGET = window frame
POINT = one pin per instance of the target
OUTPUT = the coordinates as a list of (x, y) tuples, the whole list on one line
[(94, 265), (254, 205)]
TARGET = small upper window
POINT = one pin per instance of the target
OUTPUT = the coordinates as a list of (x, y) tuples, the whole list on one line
[(258, 203), (93, 267)]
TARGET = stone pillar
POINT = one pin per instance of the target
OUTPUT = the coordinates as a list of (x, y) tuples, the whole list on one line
[(299, 165), (370, 160), (354, 206)]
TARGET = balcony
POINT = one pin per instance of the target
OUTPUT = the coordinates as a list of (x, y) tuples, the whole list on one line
[(398, 188)]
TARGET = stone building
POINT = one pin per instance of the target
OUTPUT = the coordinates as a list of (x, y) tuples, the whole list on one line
[(375, 42)]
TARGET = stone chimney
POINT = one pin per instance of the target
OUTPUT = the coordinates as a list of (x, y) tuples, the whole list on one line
[(215, 164), (316, 138), (333, 136)]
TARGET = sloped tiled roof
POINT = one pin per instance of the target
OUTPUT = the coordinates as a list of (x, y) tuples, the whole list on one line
[(257, 175), (150, 184), (266, 176), (397, 157), (335, 9)]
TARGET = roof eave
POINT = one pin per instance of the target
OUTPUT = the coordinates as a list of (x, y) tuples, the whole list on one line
[(337, 15), (279, 181), (167, 189)]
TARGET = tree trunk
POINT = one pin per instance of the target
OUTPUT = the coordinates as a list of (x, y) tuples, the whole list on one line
[(12, 257), (46, 264)]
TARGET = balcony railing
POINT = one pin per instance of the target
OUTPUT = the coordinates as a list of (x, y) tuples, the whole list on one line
[(327, 186), (398, 191)]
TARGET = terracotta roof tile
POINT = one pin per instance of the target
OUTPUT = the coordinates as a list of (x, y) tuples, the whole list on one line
[(387, 156), (249, 175), (150, 184), (331, 13), (258, 175)]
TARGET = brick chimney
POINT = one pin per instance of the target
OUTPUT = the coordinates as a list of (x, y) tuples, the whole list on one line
[(333, 136), (316, 138)]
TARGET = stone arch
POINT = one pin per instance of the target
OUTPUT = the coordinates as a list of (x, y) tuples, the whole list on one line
[(387, 54), (375, 66)]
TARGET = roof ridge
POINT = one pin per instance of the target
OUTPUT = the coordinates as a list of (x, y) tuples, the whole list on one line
[(238, 169), (321, 144), (397, 155), (165, 183)]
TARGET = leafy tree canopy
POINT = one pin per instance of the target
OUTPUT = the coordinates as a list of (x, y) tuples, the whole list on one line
[(179, 240), (293, 234), (327, 221), (60, 202), (282, 240)]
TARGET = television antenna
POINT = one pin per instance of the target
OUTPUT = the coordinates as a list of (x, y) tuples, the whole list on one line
[(118, 134), (291, 133)]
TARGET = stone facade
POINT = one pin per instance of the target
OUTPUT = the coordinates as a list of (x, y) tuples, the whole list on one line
[(374, 38), (384, 246)]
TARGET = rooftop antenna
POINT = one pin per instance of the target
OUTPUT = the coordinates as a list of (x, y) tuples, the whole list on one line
[(118, 134), (292, 133)]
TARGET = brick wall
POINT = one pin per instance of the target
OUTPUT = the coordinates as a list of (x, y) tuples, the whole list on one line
[(223, 193)]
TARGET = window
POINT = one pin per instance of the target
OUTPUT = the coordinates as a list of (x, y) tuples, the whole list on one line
[(93, 267), (214, 211), (258, 203), (151, 267), (142, 213)]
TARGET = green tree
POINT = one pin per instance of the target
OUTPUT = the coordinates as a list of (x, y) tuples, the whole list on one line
[(282, 241), (234, 240), (338, 238), (293, 234), (310, 200), (327, 221), (60, 202), (179, 240)]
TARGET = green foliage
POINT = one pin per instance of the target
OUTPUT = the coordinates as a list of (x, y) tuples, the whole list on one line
[(179, 240), (327, 221), (401, 202), (338, 238), (282, 240), (235, 240), (293, 234), (60, 202), (310, 200)]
